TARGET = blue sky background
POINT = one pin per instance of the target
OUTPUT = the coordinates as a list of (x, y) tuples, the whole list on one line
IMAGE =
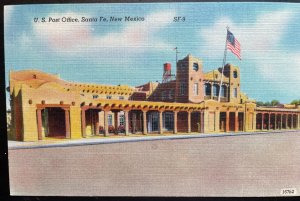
[(133, 53)]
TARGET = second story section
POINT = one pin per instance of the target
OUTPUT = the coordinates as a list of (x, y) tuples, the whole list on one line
[(230, 87), (189, 80), (191, 85)]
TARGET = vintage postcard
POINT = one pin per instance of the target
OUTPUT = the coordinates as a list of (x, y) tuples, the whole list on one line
[(153, 99)]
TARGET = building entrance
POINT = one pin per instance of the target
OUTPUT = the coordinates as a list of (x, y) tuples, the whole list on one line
[(232, 121), (53, 122), (222, 121), (241, 121), (168, 121), (153, 121), (92, 121)]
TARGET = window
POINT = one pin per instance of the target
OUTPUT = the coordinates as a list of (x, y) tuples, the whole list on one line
[(153, 121), (171, 94), (224, 91), (121, 97), (207, 89), (216, 90), (122, 120), (95, 96), (109, 119), (235, 92), (195, 89), (195, 66), (182, 88), (108, 97), (235, 75), (168, 121)]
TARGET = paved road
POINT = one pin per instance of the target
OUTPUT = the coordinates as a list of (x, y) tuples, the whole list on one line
[(219, 166)]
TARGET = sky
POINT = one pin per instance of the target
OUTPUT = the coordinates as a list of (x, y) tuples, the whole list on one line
[(133, 52)]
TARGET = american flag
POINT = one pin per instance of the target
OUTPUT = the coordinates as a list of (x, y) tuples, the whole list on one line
[(233, 44)]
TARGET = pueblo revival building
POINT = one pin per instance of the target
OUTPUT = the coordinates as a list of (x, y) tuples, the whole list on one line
[(43, 106)]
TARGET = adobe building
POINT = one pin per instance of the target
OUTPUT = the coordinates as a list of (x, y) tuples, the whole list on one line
[(44, 106)]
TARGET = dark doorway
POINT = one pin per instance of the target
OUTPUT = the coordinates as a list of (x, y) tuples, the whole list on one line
[(258, 121), (289, 126), (241, 121), (92, 121), (54, 122), (195, 122), (278, 121), (295, 120), (284, 118), (232, 121), (136, 121), (182, 122), (222, 121)]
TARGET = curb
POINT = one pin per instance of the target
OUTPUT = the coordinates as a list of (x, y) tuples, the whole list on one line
[(138, 139)]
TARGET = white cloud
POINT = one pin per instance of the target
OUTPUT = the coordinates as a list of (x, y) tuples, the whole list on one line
[(73, 38), (260, 43), (259, 36), (62, 35)]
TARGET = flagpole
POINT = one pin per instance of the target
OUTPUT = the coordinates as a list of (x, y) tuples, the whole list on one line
[(223, 64), (176, 52)]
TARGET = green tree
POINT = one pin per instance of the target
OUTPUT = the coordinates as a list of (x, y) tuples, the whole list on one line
[(296, 102), (272, 103), (275, 102), (259, 103)]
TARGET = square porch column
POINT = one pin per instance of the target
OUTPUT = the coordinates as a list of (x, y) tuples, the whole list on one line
[(116, 121), (161, 122), (67, 123), (145, 122), (83, 123), (262, 121), (189, 121), (236, 121), (39, 123), (227, 121), (202, 121), (106, 133), (175, 122), (126, 116)]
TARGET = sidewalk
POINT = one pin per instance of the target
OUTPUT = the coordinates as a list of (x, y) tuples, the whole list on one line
[(119, 139)]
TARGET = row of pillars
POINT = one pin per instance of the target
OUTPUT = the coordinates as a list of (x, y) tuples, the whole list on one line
[(126, 118), (281, 120), (126, 123), (236, 121)]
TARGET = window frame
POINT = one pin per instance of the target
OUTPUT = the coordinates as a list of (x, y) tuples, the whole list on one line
[(235, 92), (109, 119), (196, 90), (207, 86), (195, 66), (182, 89)]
